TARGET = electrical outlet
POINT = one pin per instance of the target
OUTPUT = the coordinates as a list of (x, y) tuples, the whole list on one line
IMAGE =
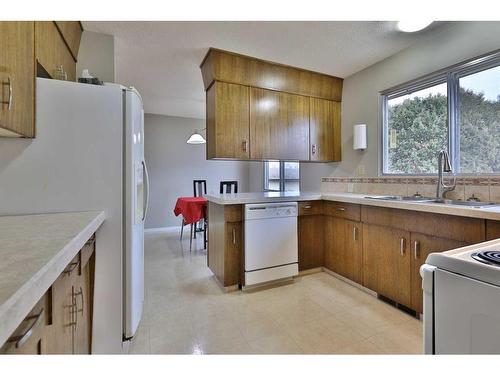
[(350, 187)]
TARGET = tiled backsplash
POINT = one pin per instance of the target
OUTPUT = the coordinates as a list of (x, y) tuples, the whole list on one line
[(484, 188)]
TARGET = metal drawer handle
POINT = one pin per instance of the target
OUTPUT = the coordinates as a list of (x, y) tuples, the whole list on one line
[(80, 293), (234, 236), (8, 102), (416, 250), (340, 208), (355, 233), (21, 339), (74, 311), (402, 246), (71, 268), (306, 207)]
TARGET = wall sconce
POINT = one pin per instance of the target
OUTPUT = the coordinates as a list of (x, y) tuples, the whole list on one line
[(359, 137)]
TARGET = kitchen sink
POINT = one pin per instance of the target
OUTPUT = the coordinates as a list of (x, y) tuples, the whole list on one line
[(452, 202), (476, 204), (400, 198)]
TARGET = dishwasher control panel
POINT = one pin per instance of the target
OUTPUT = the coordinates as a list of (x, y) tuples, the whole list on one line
[(270, 210)]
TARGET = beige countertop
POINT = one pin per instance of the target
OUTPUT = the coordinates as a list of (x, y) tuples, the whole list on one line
[(34, 250), (492, 213)]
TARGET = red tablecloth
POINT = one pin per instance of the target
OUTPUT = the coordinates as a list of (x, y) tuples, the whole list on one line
[(192, 209)]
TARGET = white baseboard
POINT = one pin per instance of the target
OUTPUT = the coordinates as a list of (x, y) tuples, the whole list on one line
[(176, 229)]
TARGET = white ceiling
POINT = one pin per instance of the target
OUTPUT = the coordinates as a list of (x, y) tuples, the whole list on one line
[(161, 59)]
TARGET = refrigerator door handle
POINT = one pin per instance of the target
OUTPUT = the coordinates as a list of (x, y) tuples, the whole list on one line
[(146, 203)]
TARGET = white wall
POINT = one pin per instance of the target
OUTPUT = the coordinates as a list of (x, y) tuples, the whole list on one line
[(360, 99), (173, 165), (97, 54)]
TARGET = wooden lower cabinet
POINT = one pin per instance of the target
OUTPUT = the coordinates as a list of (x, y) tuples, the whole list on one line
[(386, 262), (60, 335), (65, 324), (225, 243), (343, 247), (421, 246), (311, 239), (30, 337), (492, 229)]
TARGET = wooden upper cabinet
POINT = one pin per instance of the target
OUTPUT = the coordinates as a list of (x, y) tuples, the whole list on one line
[(29, 49), (228, 121), (294, 113), (324, 125), (72, 35), (219, 65), (52, 52), (279, 125), (17, 78)]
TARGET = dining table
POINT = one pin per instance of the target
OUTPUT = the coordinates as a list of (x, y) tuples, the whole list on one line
[(192, 209)]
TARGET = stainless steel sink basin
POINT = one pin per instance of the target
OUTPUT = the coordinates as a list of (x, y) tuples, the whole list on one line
[(476, 204), (400, 198)]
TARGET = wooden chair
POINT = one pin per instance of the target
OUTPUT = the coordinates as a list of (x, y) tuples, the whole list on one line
[(228, 187)]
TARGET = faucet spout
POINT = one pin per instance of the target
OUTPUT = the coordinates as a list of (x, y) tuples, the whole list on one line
[(442, 188)]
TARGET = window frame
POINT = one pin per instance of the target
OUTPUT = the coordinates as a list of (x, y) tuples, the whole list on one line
[(451, 76), (265, 175)]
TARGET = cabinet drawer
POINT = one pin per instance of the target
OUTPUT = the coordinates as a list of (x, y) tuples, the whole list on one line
[(233, 213), (51, 51), (29, 337), (72, 34), (348, 211), (310, 208)]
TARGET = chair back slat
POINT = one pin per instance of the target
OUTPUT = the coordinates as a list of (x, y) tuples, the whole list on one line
[(229, 187), (199, 188)]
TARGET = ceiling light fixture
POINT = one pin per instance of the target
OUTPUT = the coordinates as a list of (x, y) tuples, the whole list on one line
[(411, 26), (196, 139)]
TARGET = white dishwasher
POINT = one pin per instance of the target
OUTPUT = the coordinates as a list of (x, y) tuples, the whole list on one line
[(271, 243)]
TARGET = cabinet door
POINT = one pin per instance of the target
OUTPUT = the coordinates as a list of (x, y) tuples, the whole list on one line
[(60, 340), (72, 34), (228, 121), (353, 251), (325, 139), (335, 244), (30, 335), (311, 235), (17, 70), (233, 250), (83, 300), (51, 51), (492, 230), (386, 262), (279, 125), (421, 246)]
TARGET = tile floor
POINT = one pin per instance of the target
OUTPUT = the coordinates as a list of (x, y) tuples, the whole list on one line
[(186, 312)]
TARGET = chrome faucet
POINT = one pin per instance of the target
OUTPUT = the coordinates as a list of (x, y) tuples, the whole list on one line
[(442, 188)]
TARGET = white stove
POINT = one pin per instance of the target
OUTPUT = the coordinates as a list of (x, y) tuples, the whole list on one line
[(462, 300)]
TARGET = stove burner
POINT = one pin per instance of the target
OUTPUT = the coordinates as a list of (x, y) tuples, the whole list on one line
[(488, 257)]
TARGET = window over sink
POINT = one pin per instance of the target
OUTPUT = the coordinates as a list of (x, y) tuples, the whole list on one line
[(456, 109), (281, 175)]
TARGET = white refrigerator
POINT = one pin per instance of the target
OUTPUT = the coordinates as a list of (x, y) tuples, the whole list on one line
[(88, 154), (136, 194)]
